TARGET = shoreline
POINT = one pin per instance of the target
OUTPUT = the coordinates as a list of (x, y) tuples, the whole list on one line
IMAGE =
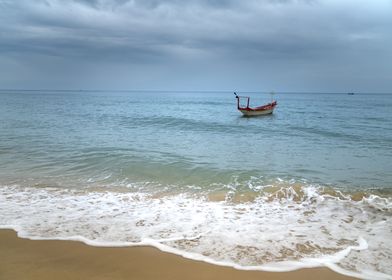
[(56, 259)]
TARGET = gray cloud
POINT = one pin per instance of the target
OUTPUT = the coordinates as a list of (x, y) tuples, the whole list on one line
[(192, 36)]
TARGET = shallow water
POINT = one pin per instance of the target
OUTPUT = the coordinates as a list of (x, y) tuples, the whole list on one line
[(310, 185)]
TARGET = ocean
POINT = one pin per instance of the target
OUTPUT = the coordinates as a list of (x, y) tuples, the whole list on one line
[(308, 186)]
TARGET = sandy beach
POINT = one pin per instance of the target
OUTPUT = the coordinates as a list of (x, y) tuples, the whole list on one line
[(30, 259)]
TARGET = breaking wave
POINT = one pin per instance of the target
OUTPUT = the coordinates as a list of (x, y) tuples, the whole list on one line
[(274, 227)]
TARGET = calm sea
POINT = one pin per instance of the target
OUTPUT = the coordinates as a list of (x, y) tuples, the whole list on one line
[(310, 185)]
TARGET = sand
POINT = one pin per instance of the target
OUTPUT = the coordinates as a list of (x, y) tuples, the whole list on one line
[(30, 259)]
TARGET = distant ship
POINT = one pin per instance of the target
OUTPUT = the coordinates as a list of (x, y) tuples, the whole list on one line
[(350, 93)]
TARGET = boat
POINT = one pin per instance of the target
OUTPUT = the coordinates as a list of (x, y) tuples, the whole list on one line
[(265, 109)]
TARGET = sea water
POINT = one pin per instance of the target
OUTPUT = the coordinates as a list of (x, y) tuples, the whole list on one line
[(308, 186)]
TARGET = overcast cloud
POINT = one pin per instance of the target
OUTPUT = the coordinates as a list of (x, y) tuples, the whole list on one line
[(282, 45)]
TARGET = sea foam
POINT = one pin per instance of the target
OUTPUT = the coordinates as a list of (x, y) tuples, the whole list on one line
[(278, 230)]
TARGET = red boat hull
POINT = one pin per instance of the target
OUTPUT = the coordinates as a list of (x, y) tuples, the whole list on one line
[(257, 111)]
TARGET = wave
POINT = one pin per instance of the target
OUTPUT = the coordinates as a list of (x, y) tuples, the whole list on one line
[(276, 227)]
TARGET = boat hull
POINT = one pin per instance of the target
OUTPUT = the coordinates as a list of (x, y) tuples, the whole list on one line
[(250, 113)]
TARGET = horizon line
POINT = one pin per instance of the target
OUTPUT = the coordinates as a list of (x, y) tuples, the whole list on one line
[(188, 91)]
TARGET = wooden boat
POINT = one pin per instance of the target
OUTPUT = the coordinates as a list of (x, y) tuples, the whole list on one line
[(255, 111)]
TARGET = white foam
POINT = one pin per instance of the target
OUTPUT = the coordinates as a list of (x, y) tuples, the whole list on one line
[(281, 234)]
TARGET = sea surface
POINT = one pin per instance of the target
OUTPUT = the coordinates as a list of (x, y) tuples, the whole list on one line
[(308, 186)]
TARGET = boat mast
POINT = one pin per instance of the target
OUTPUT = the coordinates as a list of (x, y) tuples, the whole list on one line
[(238, 100)]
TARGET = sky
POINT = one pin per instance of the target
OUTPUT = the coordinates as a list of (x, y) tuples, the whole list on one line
[(248, 45)]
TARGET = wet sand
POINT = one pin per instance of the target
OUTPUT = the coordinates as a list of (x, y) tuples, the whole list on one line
[(30, 259)]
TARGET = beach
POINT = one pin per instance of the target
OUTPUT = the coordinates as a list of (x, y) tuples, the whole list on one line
[(53, 259)]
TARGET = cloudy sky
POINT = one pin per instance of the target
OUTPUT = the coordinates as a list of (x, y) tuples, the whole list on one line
[(281, 45)]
